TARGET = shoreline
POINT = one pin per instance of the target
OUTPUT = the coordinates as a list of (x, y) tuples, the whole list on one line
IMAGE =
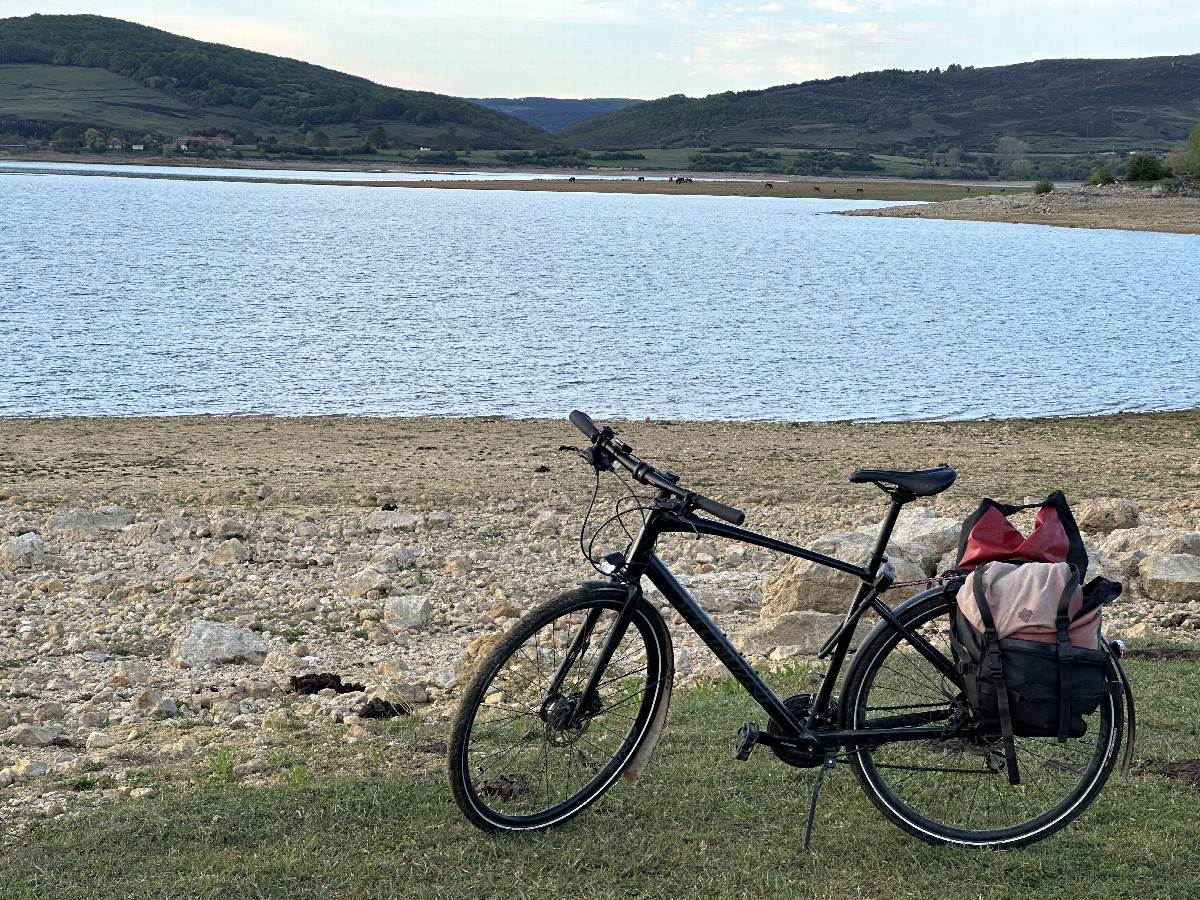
[(392, 551), (461, 460), (1165, 208)]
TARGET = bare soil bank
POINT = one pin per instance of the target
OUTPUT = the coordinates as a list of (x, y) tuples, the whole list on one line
[(329, 462), (1127, 207)]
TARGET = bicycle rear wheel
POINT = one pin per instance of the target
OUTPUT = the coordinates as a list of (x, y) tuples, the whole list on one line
[(520, 757), (955, 790)]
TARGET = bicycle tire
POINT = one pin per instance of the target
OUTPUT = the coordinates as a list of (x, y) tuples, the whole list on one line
[(510, 768), (956, 791)]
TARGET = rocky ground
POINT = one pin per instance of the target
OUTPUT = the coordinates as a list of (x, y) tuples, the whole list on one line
[(1173, 208), (163, 580)]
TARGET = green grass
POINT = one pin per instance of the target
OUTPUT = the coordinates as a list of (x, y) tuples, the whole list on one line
[(697, 825), (108, 100)]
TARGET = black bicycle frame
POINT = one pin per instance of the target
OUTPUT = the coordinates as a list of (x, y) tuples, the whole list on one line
[(670, 517)]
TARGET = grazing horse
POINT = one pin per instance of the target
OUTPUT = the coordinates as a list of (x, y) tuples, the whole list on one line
[(968, 190), (860, 190), (572, 178), (768, 184), (641, 178), (816, 189)]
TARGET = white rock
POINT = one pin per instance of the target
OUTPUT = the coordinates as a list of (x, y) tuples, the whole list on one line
[(74, 525), (683, 661), (802, 632), (390, 520), (391, 559), (223, 529), (31, 735), (23, 552), (1171, 577), (113, 518), (366, 581), (98, 740), (919, 526), (229, 553), (803, 585), (1105, 514), (214, 643), (1151, 541), (284, 663), (546, 523), (408, 612), (29, 768)]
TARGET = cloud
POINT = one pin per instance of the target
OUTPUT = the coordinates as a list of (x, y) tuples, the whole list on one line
[(772, 52)]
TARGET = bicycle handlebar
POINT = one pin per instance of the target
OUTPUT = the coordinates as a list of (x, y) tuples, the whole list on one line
[(645, 473)]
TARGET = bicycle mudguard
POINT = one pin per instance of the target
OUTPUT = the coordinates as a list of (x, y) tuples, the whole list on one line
[(641, 758)]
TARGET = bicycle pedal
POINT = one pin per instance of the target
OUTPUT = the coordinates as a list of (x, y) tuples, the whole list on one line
[(747, 737)]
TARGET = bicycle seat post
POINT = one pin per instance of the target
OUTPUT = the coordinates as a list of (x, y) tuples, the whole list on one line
[(898, 499)]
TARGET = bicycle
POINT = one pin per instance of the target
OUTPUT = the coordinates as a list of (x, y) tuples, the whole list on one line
[(576, 692)]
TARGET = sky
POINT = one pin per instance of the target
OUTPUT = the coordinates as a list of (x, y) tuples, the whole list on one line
[(653, 48)]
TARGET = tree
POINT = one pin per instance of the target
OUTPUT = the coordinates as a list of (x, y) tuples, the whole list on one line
[(1043, 186), (1192, 161), (95, 139), (246, 136), (1101, 175), (377, 137), (1143, 167)]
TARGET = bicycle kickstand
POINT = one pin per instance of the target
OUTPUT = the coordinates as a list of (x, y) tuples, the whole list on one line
[(826, 768)]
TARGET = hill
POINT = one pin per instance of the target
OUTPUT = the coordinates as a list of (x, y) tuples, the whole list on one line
[(1071, 106), (85, 71), (551, 113)]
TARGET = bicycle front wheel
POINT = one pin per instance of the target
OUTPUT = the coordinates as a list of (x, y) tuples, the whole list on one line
[(956, 790), (522, 754)]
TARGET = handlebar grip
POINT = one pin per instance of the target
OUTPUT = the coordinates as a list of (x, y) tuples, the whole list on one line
[(720, 510), (584, 423)]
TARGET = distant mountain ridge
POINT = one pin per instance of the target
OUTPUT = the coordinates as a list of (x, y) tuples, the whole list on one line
[(1061, 105), (157, 78), (552, 113)]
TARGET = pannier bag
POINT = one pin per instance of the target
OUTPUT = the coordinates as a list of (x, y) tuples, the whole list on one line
[(1026, 636)]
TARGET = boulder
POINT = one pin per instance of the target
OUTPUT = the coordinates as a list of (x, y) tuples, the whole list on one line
[(801, 632), (223, 529), (803, 585), (24, 552), (74, 525), (723, 592), (366, 581), (1105, 514), (113, 518), (408, 612), (1171, 577), (1151, 541), (204, 643), (229, 553), (546, 523), (31, 736), (391, 559), (391, 521), (920, 535)]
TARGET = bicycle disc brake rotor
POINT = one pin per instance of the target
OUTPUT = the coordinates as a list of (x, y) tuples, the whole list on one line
[(557, 713), (800, 705)]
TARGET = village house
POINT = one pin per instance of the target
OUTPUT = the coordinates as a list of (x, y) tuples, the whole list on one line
[(115, 143)]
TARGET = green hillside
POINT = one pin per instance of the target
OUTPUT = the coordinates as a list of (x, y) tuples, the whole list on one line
[(1066, 106), (91, 71)]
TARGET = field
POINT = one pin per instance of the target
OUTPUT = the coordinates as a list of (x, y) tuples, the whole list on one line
[(76, 94), (696, 825)]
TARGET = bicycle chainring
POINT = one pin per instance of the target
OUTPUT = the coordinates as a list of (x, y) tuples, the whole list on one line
[(800, 705)]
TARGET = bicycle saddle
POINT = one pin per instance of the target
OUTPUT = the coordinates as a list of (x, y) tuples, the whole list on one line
[(922, 482)]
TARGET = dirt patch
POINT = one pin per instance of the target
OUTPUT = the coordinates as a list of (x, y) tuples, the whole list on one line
[(1184, 769)]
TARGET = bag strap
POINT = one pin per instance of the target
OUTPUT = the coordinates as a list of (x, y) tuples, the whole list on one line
[(995, 670), (1066, 655)]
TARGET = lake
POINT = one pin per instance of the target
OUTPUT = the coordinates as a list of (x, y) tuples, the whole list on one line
[(131, 297)]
